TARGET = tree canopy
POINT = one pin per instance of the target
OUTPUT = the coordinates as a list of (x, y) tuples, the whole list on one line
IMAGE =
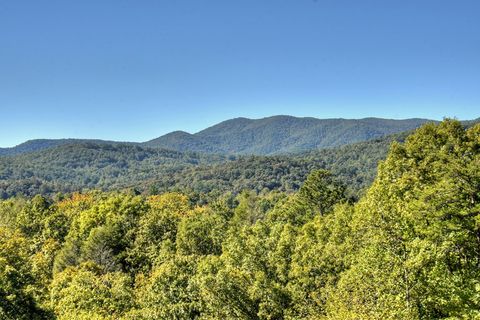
[(409, 248)]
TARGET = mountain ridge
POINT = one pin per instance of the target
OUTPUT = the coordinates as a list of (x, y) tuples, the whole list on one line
[(283, 134), (277, 134), (34, 145)]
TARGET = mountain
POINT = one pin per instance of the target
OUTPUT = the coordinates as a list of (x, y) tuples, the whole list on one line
[(267, 136), (80, 165), (88, 165), (281, 134), (181, 141), (42, 144)]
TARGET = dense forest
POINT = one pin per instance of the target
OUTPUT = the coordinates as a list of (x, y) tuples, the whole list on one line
[(106, 166), (407, 248)]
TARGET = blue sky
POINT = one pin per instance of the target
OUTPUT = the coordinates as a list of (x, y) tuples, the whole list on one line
[(134, 70)]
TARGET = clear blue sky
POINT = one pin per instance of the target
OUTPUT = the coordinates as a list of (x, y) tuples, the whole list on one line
[(136, 69)]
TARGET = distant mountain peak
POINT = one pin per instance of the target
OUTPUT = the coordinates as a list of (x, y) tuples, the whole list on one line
[(282, 134), (178, 133)]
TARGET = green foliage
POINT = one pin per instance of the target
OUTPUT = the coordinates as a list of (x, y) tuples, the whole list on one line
[(319, 256), (157, 229), (170, 292), (317, 196), (408, 249), (85, 291), (201, 233), (17, 281)]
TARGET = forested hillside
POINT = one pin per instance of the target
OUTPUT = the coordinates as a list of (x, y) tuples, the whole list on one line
[(273, 135), (408, 249), (354, 165), (92, 164), (88, 165), (282, 134), (42, 144)]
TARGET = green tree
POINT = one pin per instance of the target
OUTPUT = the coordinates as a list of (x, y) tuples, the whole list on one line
[(169, 292), (85, 292), (17, 282), (158, 225), (419, 221), (320, 255), (201, 233)]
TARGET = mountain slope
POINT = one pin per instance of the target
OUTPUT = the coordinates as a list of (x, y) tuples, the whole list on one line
[(79, 166), (282, 134), (73, 167), (42, 144), (267, 136)]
